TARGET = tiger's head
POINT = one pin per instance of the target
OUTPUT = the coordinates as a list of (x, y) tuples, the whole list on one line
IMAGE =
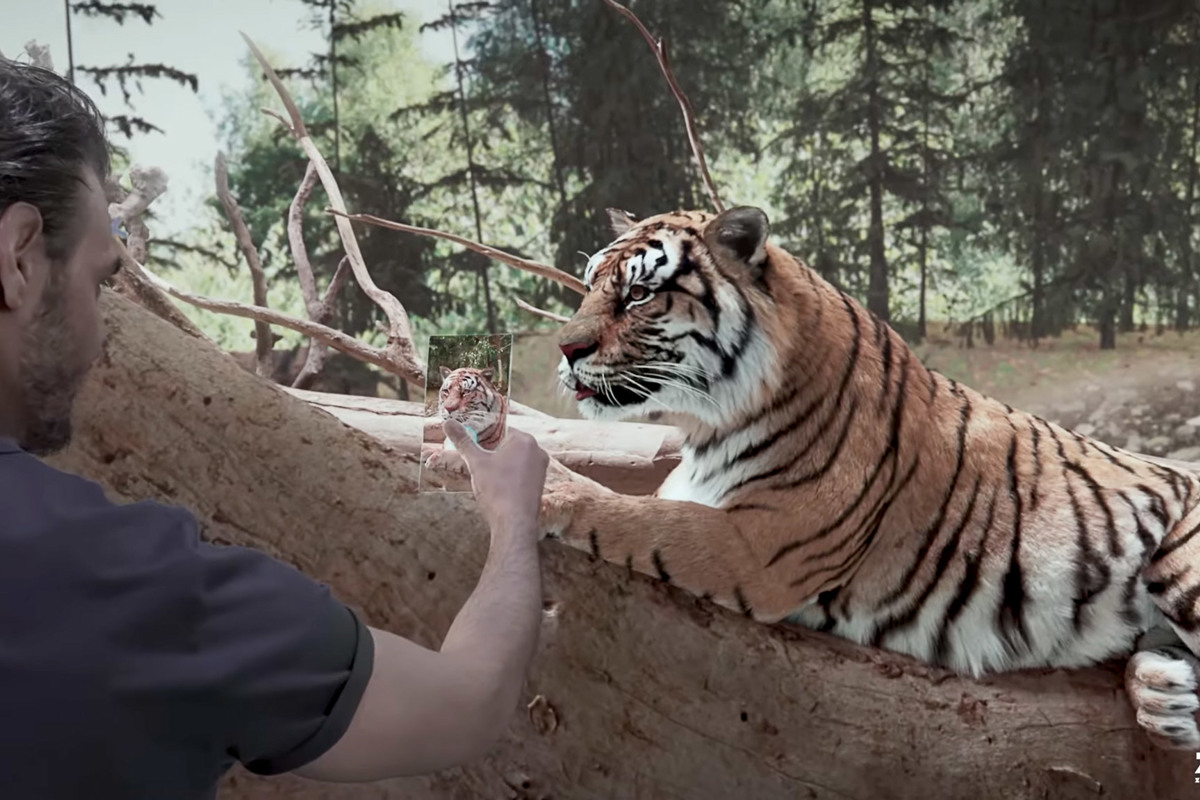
[(468, 396), (679, 317)]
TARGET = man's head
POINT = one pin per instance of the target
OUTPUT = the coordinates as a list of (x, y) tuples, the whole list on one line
[(56, 249)]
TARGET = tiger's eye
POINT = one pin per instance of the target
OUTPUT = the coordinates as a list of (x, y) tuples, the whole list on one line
[(638, 293)]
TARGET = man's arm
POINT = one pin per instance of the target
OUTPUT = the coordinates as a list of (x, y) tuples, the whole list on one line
[(423, 710)]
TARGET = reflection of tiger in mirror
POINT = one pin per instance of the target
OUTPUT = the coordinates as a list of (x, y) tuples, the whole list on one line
[(468, 396)]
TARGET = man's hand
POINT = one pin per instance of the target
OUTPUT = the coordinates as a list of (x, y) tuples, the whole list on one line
[(507, 481)]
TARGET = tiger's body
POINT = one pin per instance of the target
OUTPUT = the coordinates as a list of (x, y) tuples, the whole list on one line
[(829, 478), (468, 396)]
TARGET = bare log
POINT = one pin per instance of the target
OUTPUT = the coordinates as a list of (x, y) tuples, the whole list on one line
[(632, 458), (638, 690)]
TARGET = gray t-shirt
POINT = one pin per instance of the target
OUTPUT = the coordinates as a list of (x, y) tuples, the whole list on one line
[(138, 661)]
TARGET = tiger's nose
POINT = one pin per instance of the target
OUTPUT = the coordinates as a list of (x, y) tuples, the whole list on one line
[(575, 350)]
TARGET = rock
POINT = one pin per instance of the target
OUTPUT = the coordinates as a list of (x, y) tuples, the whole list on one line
[(1140, 410), (1134, 443), (1187, 386), (1074, 407), (1158, 445), (1185, 454), (1173, 417), (1085, 429), (1194, 422), (1186, 433)]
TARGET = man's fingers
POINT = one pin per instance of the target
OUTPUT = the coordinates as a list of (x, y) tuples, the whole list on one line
[(461, 440)]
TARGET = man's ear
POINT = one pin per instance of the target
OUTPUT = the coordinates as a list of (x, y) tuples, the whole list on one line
[(21, 247), (620, 220), (739, 234)]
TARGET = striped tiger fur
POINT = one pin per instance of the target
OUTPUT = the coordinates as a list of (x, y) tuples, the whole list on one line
[(468, 396), (829, 478)]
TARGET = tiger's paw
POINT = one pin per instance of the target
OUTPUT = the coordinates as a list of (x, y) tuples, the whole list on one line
[(1161, 684), (566, 498)]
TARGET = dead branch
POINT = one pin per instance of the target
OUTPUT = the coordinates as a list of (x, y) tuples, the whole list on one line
[(383, 358), (134, 283), (146, 184), (523, 264), (314, 362), (127, 207), (295, 232), (400, 342), (263, 343), (320, 310), (532, 309), (659, 46), (39, 54)]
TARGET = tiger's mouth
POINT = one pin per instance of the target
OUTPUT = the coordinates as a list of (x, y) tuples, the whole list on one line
[(582, 392), (613, 394)]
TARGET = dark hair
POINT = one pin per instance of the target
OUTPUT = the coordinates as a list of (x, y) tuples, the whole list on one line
[(49, 132)]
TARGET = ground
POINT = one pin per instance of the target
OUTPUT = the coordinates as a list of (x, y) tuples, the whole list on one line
[(1143, 396)]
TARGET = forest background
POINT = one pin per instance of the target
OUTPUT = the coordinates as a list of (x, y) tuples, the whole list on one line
[(985, 168)]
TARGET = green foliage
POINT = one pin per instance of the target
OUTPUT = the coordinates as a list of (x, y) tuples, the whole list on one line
[(940, 159)]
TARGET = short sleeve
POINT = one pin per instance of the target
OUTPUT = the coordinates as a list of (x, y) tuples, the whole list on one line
[(291, 662), (243, 653)]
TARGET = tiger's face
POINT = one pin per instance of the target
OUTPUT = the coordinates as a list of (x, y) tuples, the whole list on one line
[(672, 318), (467, 396)]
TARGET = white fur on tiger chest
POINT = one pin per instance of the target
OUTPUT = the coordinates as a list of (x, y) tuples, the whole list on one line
[(700, 481), (678, 486)]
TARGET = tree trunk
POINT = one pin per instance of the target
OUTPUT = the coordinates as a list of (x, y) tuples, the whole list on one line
[(637, 689), (1037, 321), (877, 288), (1187, 286)]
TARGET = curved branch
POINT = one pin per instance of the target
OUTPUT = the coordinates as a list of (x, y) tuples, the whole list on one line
[(540, 312), (523, 264), (263, 343)]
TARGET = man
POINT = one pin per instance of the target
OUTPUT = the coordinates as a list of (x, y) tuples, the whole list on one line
[(137, 661)]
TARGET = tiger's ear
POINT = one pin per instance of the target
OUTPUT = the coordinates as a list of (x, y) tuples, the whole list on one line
[(488, 372), (444, 370), (620, 220), (739, 234)]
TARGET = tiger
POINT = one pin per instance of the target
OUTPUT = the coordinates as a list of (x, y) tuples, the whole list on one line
[(468, 396), (828, 478)]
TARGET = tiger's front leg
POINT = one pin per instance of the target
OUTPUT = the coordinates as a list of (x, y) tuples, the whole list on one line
[(702, 550)]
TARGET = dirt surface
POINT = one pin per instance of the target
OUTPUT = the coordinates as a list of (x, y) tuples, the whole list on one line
[(1144, 396)]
